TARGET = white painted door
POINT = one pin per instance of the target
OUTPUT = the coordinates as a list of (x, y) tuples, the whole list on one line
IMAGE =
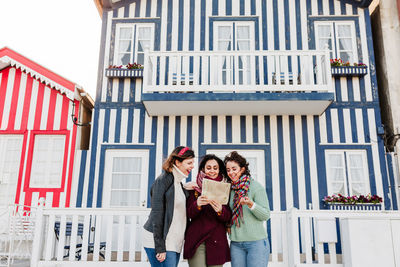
[(125, 186), (10, 156)]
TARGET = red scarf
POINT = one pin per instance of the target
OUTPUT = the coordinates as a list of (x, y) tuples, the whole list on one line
[(241, 187)]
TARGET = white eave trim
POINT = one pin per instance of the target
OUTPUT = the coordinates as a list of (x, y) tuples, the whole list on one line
[(5, 61)]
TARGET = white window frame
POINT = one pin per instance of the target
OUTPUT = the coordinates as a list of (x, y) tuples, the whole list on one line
[(33, 183), (233, 25), (134, 28), (335, 37), (110, 154), (5, 179), (347, 174), (246, 153)]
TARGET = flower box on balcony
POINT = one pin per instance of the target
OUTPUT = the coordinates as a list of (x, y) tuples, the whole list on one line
[(123, 73), (349, 70), (357, 206)]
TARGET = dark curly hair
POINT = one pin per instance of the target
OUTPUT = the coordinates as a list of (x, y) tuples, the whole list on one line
[(222, 169), (169, 163), (241, 161)]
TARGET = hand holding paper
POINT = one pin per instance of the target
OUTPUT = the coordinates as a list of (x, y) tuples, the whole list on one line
[(217, 191)]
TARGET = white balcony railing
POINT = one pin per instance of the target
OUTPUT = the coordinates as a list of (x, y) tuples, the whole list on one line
[(237, 71), (112, 237)]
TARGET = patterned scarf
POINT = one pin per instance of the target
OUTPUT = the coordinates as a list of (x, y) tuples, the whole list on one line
[(241, 187), (202, 176)]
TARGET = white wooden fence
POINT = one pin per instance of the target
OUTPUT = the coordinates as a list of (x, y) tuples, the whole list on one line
[(112, 237), (237, 71)]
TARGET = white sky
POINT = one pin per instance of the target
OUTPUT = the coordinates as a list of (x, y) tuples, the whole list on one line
[(61, 35)]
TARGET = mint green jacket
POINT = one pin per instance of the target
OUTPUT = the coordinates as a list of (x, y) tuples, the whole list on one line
[(252, 225)]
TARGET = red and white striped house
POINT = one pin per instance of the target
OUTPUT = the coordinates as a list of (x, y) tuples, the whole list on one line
[(38, 137)]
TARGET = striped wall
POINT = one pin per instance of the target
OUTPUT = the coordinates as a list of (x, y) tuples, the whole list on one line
[(29, 107), (294, 145)]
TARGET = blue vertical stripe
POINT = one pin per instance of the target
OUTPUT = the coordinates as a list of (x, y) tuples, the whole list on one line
[(242, 129), (253, 7), (214, 129), (320, 7), (154, 121), (229, 129), (165, 137), (106, 125), (350, 90), (129, 133), (214, 7), (306, 156), (241, 7), (276, 23), (201, 129), (338, 90), (367, 137), (320, 156), (228, 6), (264, 25), (353, 121), (189, 131), (95, 131), (392, 181), (169, 25), (180, 26), (268, 163), (126, 11), (191, 25), (362, 90), (341, 125), (282, 182), (329, 125), (343, 7), (255, 129), (298, 26), (177, 131), (141, 125), (159, 6), (331, 7), (137, 8), (293, 159), (203, 25), (287, 23), (371, 171), (82, 170), (148, 8)]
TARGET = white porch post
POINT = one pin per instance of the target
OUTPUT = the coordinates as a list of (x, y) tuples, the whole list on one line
[(37, 240)]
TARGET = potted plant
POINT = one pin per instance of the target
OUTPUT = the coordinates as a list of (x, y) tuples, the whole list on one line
[(120, 71), (361, 202), (341, 68)]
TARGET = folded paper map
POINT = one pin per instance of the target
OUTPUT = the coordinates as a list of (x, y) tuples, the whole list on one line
[(218, 191)]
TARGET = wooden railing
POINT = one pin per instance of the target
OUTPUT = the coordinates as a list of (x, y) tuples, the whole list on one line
[(237, 71)]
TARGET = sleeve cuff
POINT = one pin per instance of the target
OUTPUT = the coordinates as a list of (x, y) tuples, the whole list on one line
[(254, 206)]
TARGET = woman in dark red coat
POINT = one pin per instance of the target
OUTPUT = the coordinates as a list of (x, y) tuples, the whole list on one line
[(206, 243)]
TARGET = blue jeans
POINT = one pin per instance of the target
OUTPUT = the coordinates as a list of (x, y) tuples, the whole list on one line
[(171, 260), (250, 254)]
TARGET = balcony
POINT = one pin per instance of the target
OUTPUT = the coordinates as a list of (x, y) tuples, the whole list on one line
[(239, 82)]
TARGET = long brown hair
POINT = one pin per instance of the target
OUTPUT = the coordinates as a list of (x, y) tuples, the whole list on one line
[(180, 153)]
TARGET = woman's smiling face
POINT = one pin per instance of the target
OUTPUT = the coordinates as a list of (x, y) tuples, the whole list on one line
[(234, 170), (211, 169), (186, 166)]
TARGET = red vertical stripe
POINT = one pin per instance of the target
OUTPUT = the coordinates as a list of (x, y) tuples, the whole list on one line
[(27, 101), (3, 89), (56, 199), (71, 161), (39, 106), (14, 100), (52, 109), (21, 169), (28, 198), (64, 114)]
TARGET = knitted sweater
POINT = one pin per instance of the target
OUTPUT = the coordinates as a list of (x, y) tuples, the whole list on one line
[(252, 225)]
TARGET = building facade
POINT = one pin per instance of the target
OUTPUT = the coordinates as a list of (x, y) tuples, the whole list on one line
[(223, 75), (38, 138)]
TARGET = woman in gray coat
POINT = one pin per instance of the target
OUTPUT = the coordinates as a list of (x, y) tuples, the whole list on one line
[(164, 230)]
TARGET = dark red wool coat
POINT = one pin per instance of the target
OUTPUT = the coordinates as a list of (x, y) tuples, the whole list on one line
[(207, 226)]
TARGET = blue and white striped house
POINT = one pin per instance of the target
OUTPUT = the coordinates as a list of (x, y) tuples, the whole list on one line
[(247, 75), (222, 75)]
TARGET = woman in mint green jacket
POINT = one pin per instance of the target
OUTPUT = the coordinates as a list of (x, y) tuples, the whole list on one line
[(250, 209)]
